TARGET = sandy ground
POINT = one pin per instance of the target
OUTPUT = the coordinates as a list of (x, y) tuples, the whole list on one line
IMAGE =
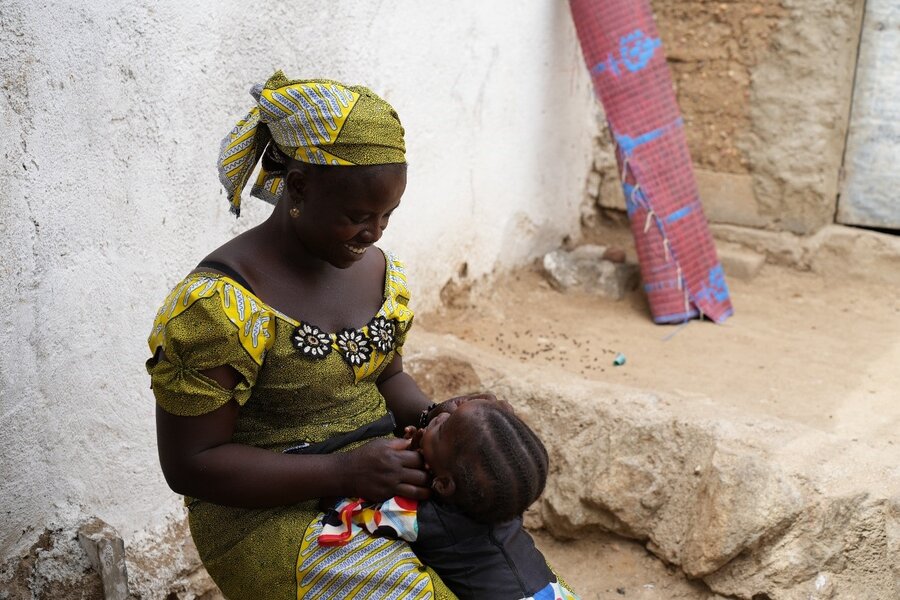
[(823, 352), (605, 567), (799, 347)]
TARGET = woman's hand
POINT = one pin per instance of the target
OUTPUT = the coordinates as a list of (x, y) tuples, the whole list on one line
[(384, 468)]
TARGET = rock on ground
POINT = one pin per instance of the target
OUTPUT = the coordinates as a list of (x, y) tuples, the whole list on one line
[(588, 268)]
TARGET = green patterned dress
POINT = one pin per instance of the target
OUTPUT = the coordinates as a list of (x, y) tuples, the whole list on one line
[(300, 384)]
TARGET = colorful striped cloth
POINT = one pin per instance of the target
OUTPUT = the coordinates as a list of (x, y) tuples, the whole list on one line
[(682, 275), (316, 121)]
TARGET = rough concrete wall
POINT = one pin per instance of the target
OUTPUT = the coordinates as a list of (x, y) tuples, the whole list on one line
[(112, 115), (765, 88)]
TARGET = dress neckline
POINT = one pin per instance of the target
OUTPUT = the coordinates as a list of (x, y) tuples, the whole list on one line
[(386, 293)]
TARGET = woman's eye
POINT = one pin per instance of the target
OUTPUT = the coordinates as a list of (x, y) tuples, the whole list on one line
[(357, 220)]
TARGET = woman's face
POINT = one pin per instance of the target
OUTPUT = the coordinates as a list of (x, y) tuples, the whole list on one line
[(344, 210)]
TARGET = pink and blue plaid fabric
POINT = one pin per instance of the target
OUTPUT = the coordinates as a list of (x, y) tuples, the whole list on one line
[(681, 272)]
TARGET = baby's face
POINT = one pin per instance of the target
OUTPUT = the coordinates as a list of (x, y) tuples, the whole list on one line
[(450, 426)]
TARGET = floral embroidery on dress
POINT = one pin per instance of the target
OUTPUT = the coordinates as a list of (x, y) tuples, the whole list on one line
[(365, 349), (311, 341), (382, 333), (354, 346)]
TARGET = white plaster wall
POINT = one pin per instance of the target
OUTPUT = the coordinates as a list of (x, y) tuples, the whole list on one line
[(111, 118)]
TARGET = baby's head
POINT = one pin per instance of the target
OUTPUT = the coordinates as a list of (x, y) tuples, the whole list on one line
[(484, 459)]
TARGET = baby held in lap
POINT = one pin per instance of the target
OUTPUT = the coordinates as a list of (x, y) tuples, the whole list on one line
[(488, 467)]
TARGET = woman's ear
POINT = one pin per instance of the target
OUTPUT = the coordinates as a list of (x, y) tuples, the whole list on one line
[(295, 182), (444, 486)]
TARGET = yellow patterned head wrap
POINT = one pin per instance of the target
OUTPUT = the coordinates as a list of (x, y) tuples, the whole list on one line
[(316, 121)]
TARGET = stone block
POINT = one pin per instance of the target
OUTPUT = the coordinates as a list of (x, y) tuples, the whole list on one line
[(106, 552), (834, 251), (740, 500), (611, 194), (739, 262), (729, 198), (588, 269)]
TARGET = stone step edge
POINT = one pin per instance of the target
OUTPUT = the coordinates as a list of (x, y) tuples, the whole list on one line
[(754, 506)]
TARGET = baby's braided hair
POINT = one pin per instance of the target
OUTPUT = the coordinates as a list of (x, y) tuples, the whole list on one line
[(501, 467)]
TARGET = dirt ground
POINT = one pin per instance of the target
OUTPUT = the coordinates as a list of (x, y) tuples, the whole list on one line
[(800, 346), (823, 351), (605, 567)]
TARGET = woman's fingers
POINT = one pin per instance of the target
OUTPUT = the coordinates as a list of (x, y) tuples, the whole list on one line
[(412, 460), (413, 492), (389, 468), (396, 443), (415, 477)]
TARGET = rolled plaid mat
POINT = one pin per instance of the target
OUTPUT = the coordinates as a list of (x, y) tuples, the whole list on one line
[(682, 275)]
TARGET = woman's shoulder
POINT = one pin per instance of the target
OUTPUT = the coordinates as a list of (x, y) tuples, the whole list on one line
[(219, 308), (396, 291), (396, 281), (236, 255)]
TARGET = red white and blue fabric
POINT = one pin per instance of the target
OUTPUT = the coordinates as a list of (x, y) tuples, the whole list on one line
[(394, 518), (682, 275), (553, 591)]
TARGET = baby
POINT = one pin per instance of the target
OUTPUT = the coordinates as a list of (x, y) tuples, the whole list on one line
[(487, 466)]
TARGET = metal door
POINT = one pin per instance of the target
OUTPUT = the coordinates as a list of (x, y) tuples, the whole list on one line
[(870, 191)]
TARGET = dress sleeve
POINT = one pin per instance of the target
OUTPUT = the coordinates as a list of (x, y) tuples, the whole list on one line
[(206, 322), (397, 305)]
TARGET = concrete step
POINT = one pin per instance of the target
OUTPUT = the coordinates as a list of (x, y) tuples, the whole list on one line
[(756, 507)]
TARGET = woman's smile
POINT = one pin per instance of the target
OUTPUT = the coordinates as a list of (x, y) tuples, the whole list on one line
[(356, 249)]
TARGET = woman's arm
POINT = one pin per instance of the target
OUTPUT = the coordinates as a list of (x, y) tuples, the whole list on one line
[(402, 394), (199, 460)]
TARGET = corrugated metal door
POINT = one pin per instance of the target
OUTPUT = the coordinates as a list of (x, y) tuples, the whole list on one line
[(870, 192)]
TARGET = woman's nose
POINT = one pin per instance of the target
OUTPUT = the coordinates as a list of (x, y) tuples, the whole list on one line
[(371, 233)]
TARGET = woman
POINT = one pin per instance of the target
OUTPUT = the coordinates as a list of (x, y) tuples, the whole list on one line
[(292, 334)]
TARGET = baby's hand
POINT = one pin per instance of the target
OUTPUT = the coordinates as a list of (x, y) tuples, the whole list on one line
[(414, 434)]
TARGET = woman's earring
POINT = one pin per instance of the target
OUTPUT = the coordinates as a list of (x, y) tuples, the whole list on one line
[(295, 212)]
